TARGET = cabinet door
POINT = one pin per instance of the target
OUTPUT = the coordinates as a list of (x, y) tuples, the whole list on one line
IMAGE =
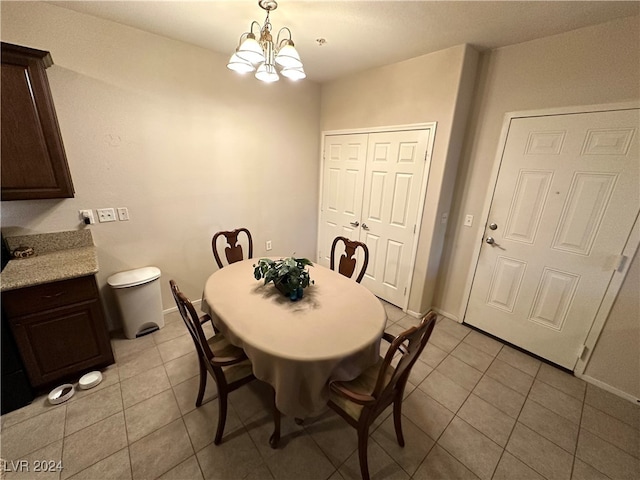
[(62, 341), (34, 164)]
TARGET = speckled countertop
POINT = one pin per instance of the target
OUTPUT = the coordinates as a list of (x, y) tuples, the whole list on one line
[(58, 256)]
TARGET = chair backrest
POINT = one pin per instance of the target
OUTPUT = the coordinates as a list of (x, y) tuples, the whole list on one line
[(347, 263), (233, 250), (410, 343), (192, 321)]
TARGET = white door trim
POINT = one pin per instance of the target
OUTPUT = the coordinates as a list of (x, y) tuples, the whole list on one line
[(390, 128), (630, 249), (423, 188), (632, 243)]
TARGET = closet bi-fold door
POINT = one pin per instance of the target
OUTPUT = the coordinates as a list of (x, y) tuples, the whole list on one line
[(343, 173), (387, 171)]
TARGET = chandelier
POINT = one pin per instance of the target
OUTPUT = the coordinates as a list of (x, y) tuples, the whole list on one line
[(263, 55)]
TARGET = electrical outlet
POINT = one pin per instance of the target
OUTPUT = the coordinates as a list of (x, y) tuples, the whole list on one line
[(87, 217), (468, 220), (106, 215), (123, 214), (268, 245)]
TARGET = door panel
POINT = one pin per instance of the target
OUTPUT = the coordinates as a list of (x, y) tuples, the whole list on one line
[(565, 201)]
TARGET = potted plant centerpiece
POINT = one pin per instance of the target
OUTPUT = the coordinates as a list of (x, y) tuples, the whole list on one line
[(288, 274)]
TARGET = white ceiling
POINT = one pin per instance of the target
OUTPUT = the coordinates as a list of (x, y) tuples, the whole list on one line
[(359, 34)]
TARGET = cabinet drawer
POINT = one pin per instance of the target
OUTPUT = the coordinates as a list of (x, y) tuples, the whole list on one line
[(50, 295)]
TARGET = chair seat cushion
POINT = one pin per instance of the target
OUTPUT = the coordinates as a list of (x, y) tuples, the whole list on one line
[(364, 385), (221, 347)]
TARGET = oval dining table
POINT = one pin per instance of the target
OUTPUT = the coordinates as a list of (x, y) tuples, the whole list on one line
[(298, 347)]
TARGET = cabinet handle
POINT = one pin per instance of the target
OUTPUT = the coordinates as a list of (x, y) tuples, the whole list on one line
[(55, 295)]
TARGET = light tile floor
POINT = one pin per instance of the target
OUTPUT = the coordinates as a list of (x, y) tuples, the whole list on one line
[(475, 408)]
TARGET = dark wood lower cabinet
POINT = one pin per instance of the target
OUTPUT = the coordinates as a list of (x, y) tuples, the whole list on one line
[(59, 329), (15, 389)]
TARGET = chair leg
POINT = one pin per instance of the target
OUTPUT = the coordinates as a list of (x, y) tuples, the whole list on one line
[(397, 420), (222, 416), (363, 439), (275, 437), (203, 382)]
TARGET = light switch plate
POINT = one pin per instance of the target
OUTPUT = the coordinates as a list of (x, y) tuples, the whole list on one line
[(468, 220), (123, 214)]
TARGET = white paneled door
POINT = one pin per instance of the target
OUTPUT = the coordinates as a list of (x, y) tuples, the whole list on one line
[(345, 158), (372, 192), (564, 205)]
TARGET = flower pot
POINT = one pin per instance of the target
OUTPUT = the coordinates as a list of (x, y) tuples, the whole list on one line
[(292, 294), (288, 275)]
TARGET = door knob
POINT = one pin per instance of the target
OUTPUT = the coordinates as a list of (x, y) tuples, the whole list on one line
[(493, 226), (491, 241), (364, 226), (355, 224)]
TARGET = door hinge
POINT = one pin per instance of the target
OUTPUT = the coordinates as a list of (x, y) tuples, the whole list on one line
[(583, 349), (426, 155), (619, 263), (414, 229), (405, 291)]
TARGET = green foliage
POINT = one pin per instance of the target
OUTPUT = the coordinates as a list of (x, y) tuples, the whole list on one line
[(288, 274)]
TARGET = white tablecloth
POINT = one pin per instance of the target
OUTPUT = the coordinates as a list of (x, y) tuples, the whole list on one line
[(333, 332)]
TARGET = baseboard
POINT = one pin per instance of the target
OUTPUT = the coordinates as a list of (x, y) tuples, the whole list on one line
[(450, 316), (609, 388), (195, 303), (440, 312)]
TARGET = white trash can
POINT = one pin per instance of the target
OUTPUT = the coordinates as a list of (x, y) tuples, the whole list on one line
[(139, 300)]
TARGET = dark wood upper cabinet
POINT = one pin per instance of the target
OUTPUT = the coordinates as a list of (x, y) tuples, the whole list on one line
[(34, 164)]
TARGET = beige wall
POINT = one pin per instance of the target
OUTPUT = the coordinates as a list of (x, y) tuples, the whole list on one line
[(592, 65), (163, 128), (430, 88)]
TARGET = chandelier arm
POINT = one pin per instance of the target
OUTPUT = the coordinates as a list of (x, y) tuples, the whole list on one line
[(251, 27), (242, 38), (278, 41)]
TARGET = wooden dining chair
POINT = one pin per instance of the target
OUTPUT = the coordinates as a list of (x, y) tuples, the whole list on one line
[(226, 363), (233, 250), (347, 263), (361, 400)]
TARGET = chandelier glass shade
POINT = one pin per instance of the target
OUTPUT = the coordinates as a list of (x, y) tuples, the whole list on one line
[(262, 55)]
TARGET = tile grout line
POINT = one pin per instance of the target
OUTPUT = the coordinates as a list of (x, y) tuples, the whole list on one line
[(575, 453), (504, 449), (526, 397), (637, 429), (126, 432), (104, 458)]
